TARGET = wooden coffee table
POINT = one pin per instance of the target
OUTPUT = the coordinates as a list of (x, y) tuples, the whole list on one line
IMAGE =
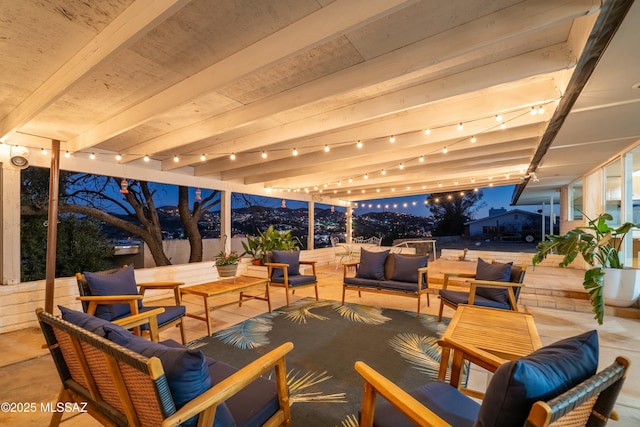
[(223, 287), (487, 337)]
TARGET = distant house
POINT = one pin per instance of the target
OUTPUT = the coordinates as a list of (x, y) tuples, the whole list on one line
[(501, 224)]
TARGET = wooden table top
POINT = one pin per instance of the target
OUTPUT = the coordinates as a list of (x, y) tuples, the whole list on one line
[(223, 286), (504, 333)]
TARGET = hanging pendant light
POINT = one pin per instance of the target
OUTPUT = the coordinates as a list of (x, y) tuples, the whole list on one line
[(124, 186), (198, 194)]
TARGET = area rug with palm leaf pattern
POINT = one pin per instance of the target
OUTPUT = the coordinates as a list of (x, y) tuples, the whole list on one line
[(328, 338)]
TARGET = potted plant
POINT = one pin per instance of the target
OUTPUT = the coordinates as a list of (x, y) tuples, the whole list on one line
[(253, 248), (274, 240), (599, 244), (227, 263)]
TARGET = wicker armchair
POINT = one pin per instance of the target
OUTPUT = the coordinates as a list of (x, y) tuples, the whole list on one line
[(576, 397), (121, 387)]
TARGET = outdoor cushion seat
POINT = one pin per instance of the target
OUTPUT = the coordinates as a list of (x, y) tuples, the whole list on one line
[(284, 272), (383, 284), (113, 295), (494, 284), (456, 298), (555, 381)]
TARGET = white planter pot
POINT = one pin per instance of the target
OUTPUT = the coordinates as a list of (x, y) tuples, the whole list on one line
[(621, 286)]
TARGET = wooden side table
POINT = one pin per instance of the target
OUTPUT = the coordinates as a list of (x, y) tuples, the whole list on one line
[(487, 337)]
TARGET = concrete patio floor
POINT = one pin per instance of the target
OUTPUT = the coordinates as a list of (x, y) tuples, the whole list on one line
[(28, 375)]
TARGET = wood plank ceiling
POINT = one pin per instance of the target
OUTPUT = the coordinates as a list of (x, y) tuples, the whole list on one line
[(191, 84)]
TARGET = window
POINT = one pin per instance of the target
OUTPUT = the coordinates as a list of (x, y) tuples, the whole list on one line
[(575, 201), (613, 190)]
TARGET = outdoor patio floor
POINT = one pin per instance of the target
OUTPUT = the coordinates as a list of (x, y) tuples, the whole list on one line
[(27, 373)]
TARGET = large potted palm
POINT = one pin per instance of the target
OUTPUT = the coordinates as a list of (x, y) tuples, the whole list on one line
[(607, 281)]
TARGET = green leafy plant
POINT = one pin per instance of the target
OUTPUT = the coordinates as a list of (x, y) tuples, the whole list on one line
[(599, 244), (231, 258), (253, 247), (274, 240)]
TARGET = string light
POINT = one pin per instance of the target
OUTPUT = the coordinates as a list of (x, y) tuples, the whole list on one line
[(326, 148), (473, 139), (444, 149), (232, 156), (498, 117), (383, 172), (359, 144), (146, 158), (118, 157), (67, 154), (43, 151), (294, 152), (264, 154), (460, 127), (176, 159), (421, 159), (92, 156), (203, 157), (401, 166), (427, 131), (392, 139)]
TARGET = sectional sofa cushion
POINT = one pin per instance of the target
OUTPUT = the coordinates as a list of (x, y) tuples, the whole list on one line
[(122, 282), (498, 272), (286, 257), (542, 375), (372, 264)]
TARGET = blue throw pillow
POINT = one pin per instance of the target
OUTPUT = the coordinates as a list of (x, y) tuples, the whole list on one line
[(186, 370), (122, 282), (85, 321), (372, 264), (405, 268), (286, 257), (497, 272), (542, 375)]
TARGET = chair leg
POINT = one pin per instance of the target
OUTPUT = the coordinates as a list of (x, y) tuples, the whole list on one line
[(440, 311), (286, 294), (418, 311), (183, 334), (316, 288)]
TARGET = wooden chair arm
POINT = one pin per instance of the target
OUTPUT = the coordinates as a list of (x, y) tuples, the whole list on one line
[(495, 284), (350, 263), (308, 262), (475, 355), (111, 299), (445, 282), (276, 264), (375, 383), (160, 285), (207, 402), (148, 317)]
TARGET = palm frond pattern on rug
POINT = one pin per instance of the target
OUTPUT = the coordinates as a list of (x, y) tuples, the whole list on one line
[(421, 351), (362, 313), (300, 382), (300, 313), (251, 333)]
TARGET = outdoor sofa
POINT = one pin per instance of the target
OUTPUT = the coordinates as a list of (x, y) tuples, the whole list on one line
[(387, 273)]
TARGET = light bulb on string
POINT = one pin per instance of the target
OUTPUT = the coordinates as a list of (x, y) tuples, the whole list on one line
[(392, 139), (460, 127), (203, 157), (232, 156)]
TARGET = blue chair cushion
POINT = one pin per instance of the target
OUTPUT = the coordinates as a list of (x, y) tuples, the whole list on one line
[(122, 282), (298, 280), (186, 370), (442, 399), (542, 375), (456, 298), (85, 321), (251, 406), (286, 257), (405, 268), (171, 313), (497, 272), (372, 264)]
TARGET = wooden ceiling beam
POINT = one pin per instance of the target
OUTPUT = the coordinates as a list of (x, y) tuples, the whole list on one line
[(136, 21)]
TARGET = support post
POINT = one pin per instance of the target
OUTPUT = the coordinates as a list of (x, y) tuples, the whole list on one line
[(52, 229)]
